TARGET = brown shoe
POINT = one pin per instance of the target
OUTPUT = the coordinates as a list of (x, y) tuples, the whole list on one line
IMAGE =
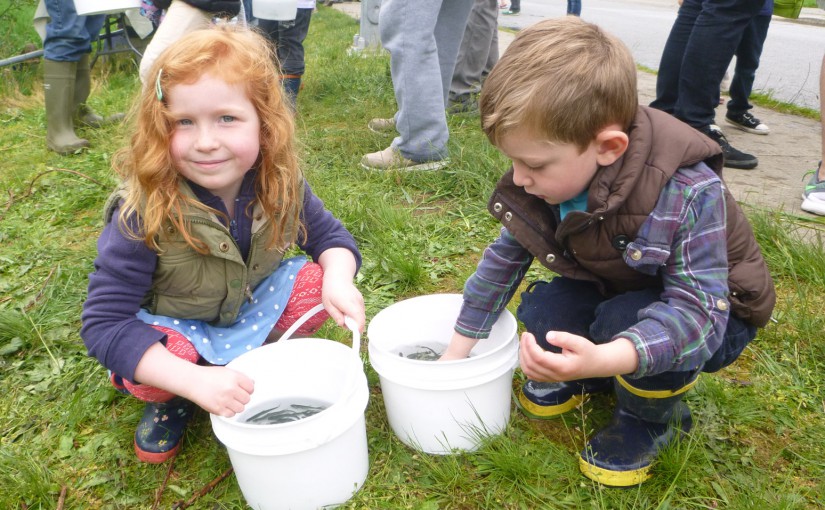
[(391, 159), (382, 126)]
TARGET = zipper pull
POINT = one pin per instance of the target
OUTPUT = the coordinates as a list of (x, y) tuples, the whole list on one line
[(248, 292)]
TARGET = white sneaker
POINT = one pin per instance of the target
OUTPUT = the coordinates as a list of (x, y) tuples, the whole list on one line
[(391, 159)]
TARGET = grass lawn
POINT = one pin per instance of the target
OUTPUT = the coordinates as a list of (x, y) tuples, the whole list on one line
[(759, 425)]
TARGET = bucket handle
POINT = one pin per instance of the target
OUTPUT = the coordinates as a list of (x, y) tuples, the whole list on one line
[(348, 321)]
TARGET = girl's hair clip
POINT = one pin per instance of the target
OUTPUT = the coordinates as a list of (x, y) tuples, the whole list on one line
[(158, 89)]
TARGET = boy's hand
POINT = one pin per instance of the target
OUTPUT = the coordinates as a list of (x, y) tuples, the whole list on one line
[(580, 358), (220, 390), (459, 348)]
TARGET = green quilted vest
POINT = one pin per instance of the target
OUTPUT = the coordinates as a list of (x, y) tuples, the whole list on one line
[(208, 287)]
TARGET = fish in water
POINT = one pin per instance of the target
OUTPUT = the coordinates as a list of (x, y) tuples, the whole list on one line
[(284, 413)]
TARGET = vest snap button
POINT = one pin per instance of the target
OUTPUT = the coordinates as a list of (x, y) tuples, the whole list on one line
[(550, 258), (224, 247), (636, 255), (256, 267), (170, 229), (508, 216), (497, 207)]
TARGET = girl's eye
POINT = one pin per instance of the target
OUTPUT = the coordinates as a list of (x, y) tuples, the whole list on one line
[(227, 118), (183, 122)]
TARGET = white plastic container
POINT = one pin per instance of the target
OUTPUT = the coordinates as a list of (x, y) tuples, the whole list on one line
[(313, 462), (90, 7), (439, 407), (281, 10)]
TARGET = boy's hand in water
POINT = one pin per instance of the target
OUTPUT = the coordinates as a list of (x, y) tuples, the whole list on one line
[(459, 348), (220, 390)]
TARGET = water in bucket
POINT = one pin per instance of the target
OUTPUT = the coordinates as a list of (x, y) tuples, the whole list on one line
[(278, 411), (429, 352)]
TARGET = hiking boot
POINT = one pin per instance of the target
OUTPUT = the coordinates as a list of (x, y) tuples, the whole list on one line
[(511, 12), (465, 104), (544, 400), (382, 126), (158, 434), (734, 158), (813, 197), (747, 122), (391, 159)]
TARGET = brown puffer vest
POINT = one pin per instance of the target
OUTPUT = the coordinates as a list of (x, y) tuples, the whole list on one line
[(590, 245)]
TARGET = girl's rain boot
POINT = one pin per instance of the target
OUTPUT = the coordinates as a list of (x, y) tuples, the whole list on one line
[(83, 85), (645, 421), (59, 85), (158, 434), (544, 400)]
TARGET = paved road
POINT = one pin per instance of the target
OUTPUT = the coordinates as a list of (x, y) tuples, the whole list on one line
[(789, 67)]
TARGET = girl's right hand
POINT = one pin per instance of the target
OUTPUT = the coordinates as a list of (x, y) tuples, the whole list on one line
[(220, 390)]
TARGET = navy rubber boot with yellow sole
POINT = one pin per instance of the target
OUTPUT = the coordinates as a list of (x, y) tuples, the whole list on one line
[(160, 430), (546, 400), (645, 422)]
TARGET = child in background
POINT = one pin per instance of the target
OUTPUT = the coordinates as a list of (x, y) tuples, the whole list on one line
[(190, 270), (659, 275), (288, 37)]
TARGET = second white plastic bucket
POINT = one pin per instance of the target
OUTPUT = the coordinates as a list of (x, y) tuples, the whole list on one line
[(439, 407), (313, 462), (281, 10)]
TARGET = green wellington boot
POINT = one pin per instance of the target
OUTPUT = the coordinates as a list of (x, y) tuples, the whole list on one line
[(83, 86), (59, 88), (645, 421), (545, 400)]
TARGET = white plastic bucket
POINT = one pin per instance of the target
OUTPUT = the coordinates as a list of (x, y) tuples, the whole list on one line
[(90, 7), (442, 406), (275, 9), (313, 462)]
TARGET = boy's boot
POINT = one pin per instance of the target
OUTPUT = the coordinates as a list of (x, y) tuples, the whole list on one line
[(644, 422), (158, 434), (83, 85), (59, 88), (544, 400)]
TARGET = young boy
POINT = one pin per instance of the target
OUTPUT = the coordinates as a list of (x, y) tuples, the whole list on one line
[(659, 275)]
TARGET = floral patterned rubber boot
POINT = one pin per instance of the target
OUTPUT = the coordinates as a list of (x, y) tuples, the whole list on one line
[(158, 434)]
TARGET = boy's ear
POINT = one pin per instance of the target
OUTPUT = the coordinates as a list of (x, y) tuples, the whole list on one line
[(611, 143)]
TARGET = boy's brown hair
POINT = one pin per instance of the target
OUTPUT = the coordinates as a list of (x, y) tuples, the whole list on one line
[(563, 79)]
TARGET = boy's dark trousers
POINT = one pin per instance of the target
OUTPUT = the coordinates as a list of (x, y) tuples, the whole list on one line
[(649, 410)]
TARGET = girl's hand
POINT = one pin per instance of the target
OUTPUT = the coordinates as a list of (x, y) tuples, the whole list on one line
[(342, 298), (338, 293), (220, 390), (459, 348)]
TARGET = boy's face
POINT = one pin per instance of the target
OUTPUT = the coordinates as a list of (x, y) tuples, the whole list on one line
[(554, 172)]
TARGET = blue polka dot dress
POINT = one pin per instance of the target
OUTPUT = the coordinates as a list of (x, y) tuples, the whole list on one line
[(220, 345)]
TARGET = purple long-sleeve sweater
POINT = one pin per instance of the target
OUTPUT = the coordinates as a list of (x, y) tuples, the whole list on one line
[(124, 269)]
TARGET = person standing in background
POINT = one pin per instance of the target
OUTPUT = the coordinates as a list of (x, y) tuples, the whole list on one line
[(67, 75), (477, 55), (423, 38), (699, 49), (288, 38)]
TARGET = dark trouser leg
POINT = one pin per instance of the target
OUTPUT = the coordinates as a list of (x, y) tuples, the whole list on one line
[(748, 54)]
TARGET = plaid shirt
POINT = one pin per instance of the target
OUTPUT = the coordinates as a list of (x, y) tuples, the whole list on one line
[(683, 240)]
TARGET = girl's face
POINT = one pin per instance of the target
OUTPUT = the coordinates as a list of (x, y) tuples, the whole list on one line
[(216, 135)]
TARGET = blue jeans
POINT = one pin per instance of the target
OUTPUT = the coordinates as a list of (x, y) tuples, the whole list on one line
[(577, 307), (747, 62), (288, 38), (69, 36), (574, 7), (699, 48)]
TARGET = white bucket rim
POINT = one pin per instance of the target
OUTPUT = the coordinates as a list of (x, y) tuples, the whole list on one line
[(506, 315)]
